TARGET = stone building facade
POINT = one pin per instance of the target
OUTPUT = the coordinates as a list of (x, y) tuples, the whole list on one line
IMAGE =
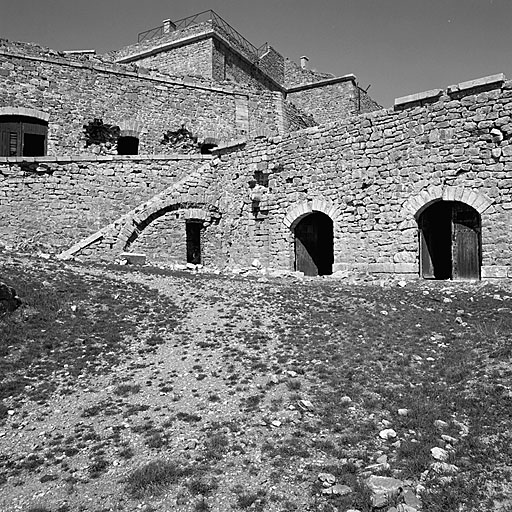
[(236, 154)]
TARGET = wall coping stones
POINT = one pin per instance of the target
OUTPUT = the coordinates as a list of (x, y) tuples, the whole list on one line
[(141, 74), (478, 82), (228, 145), (166, 46), (96, 158), (322, 83), (419, 96)]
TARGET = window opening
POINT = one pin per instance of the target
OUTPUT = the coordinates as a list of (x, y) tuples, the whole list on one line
[(128, 145), (22, 136)]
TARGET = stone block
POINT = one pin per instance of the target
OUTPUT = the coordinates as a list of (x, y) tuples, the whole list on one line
[(496, 271)]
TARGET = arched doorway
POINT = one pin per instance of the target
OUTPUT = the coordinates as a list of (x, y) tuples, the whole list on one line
[(314, 249), (450, 241)]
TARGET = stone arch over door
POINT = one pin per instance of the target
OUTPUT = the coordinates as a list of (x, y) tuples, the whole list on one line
[(449, 222), (416, 204), (311, 227)]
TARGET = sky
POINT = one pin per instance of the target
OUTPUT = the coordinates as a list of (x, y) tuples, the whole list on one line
[(395, 47)]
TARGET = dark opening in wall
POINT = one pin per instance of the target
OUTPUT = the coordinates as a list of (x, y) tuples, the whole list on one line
[(193, 230), (450, 241), (314, 245), (128, 146), (206, 149), (22, 136)]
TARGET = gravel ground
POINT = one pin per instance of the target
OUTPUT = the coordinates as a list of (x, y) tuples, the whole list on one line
[(247, 387)]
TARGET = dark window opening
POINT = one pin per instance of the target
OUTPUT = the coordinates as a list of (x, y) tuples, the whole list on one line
[(128, 146), (22, 136), (193, 230), (450, 241), (206, 149), (33, 144), (314, 245), (261, 178)]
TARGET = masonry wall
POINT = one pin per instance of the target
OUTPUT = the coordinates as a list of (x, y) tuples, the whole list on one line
[(367, 171), (74, 93), (229, 65), (193, 59), (204, 27), (56, 202), (330, 102), (295, 75)]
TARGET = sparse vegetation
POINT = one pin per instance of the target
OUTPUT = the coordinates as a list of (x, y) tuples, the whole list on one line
[(258, 384)]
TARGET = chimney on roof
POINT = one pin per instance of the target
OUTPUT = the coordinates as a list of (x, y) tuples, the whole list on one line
[(168, 26), (304, 62)]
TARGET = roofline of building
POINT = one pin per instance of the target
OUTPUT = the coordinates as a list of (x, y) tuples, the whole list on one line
[(213, 34), (193, 39), (321, 83)]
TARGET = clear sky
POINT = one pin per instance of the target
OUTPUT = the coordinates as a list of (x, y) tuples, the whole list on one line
[(397, 46)]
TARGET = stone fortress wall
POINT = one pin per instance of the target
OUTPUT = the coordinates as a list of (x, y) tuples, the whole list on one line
[(318, 144)]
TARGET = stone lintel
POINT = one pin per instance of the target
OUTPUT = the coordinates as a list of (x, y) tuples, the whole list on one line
[(419, 96), (478, 82)]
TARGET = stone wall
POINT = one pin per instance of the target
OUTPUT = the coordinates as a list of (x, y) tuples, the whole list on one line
[(58, 201), (232, 66), (329, 100), (75, 92), (193, 59), (172, 37), (295, 75), (372, 174)]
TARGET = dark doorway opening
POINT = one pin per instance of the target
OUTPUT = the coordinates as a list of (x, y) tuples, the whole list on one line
[(314, 247), (128, 146), (193, 230), (450, 241)]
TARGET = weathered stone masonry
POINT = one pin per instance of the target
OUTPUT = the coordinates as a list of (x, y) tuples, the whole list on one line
[(375, 174)]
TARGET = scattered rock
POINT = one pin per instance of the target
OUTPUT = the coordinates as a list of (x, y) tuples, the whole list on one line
[(403, 412), (327, 478), (439, 453), (443, 468), (387, 433), (440, 424), (341, 490)]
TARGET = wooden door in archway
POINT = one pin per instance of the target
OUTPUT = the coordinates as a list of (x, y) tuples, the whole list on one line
[(450, 241)]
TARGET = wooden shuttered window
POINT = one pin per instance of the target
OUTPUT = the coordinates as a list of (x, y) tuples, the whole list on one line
[(22, 136)]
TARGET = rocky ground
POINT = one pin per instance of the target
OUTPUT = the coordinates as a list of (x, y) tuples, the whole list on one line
[(131, 388)]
